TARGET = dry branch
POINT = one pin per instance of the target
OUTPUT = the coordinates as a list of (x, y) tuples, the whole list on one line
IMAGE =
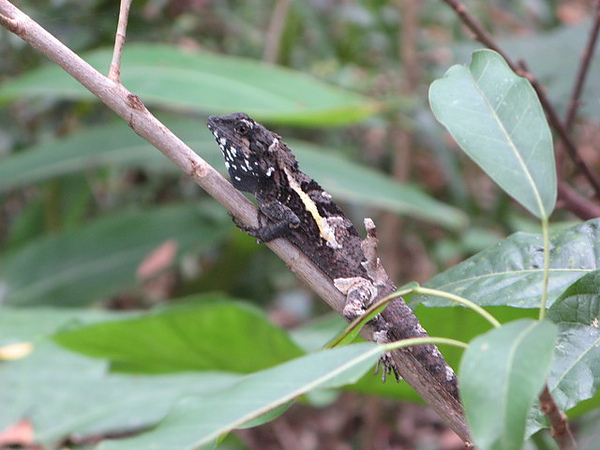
[(131, 108)]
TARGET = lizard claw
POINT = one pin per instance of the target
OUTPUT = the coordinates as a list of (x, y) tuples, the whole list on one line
[(251, 231)]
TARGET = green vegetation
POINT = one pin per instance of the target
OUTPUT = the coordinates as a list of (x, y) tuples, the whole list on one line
[(130, 303)]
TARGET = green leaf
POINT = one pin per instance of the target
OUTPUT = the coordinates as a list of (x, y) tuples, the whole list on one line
[(83, 265), (200, 420), (63, 393), (575, 373), (496, 118), (580, 303), (116, 145), (511, 272), (202, 82), (24, 324), (192, 337), (501, 374)]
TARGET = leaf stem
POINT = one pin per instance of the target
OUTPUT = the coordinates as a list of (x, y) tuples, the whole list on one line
[(422, 341), (352, 330), (545, 281), (460, 300)]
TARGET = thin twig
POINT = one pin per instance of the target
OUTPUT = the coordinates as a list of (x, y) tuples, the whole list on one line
[(477, 29), (130, 107), (560, 129), (486, 39), (559, 426), (583, 70), (273, 36), (115, 65), (578, 204)]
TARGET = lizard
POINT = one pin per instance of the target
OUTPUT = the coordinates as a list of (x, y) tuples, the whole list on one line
[(294, 206)]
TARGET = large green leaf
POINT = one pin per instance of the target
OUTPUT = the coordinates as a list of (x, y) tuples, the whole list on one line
[(575, 372), (501, 374), (203, 82), (496, 118), (63, 393), (192, 337), (83, 265), (200, 420), (511, 272), (116, 145)]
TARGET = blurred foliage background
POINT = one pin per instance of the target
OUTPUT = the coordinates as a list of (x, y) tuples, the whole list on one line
[(94, 219)]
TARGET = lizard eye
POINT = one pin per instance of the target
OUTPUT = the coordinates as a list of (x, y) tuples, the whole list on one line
[(242, 128)]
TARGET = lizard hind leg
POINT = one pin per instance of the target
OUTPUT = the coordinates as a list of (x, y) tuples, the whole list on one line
[(359, 295)]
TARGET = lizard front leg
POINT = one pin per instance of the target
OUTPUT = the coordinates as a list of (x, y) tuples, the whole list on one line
[(280, 221)]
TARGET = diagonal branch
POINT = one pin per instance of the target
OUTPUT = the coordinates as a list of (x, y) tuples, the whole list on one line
[(130, 107), (477, 29), (583, 70), (561, 130)]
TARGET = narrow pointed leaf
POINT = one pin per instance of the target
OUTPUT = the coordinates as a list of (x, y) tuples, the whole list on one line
[(83, 265), (203, 82), (496, 118), (200, 420), (501, 374)]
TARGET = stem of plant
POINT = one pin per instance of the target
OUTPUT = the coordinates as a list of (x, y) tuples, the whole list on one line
[(460, 300), (546, 239), (422, 341)]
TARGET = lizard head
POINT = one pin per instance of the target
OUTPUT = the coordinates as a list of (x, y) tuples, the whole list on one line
[(246, 146)]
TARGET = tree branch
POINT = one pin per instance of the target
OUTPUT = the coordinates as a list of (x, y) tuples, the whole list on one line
[(584, 66), (477, 29), (559, 427), (115, 65), (560, 129), (578, 204), (130, 107)]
